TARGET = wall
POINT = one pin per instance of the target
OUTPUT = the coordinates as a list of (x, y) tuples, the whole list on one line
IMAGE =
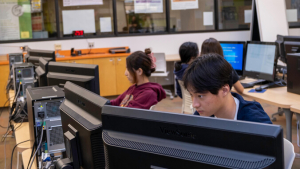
[(168, 44)]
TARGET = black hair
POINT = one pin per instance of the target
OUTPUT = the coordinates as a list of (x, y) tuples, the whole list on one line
[(141, 60), (208, 73), (187, 51), (211, 45)]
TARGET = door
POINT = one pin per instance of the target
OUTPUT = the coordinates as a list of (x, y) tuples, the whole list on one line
[(122, 82), (107, 76)]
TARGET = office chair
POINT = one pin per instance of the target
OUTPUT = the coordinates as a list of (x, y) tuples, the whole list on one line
[(289, 154), (161, 70), (186, 100)]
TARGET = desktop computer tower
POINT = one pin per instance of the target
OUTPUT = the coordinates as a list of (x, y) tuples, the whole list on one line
[(23, 77), (293, 71), (14, 58), (46, 100)]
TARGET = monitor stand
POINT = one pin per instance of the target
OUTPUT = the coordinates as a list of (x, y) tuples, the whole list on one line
[(278, 83), (251, 84)]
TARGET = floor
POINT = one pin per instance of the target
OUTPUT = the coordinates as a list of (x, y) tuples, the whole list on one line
[(165, 105)]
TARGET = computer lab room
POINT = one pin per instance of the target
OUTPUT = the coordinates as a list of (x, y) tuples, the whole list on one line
[(149, 84)]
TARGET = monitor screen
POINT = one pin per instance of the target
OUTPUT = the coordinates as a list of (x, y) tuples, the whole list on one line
[(260, 58), (234, 53)]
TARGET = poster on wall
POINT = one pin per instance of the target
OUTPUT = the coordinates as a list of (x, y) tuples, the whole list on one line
[(82, 2), (15, 20), (36, 5), (71, 18), (184, 4), (148, 6)]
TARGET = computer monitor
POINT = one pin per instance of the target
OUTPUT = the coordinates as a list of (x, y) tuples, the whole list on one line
[(261, 60), (84, 75), (234, 53), (34, 56), (82, 127), (41, 72), (281, 40), (135, 138)]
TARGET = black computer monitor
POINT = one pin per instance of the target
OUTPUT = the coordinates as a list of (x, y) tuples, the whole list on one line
[(281, 40), (41, 72), (261, 60), (235, 52), (34, 56), (135, 138), (82, 127), (84, 75)]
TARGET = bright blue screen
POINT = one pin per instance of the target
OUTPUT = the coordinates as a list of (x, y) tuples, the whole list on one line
[(233, 53)]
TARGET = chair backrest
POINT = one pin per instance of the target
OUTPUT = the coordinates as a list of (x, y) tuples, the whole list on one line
[(289, 154), (161, 64), (186, 99), (152, 107)]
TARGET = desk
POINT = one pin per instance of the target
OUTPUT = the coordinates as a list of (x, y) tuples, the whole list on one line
[(278, 97), (26, 156)]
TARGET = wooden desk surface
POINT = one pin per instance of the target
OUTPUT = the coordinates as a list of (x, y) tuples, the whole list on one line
[(174, 57), (274, 96), (22, 134), (295, 108), (26, 156)]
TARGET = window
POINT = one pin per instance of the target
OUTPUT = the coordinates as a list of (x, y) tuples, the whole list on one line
[(200, 17), (25, 20), (141, 16), (293, 12), (94, 18), (234, 14)]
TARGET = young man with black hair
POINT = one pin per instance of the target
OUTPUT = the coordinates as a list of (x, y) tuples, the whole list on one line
[(209, 81)]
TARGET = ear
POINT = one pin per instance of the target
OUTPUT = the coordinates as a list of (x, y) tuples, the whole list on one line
[(225, 90), (139, 72)]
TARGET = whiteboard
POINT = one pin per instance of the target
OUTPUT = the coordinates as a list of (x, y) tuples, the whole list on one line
[(78, 20), (272, 19)]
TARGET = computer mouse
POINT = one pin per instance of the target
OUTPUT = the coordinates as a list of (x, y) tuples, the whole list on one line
[(258, 89)]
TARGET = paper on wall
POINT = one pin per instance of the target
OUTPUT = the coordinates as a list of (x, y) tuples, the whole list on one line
[(184, 4), (208, 18), (248, 16), (82, 2), (78, 20), (148, 6), (105, 24), (291, 15), (9, 20)]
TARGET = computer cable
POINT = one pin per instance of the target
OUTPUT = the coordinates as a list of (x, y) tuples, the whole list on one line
[(17, 94), (3, 108), (32, 150), (11, 159), (39, 145)]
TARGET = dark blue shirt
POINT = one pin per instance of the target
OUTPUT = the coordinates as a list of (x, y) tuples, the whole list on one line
[(179, 76), (250, 111)]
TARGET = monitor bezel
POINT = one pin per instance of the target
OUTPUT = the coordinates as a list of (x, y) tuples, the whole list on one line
[(239, 72), (259, 75)]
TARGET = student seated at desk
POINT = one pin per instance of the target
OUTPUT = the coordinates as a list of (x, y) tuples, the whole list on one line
[(209, 80), (188, 51), (143, 94), (211, 45)]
